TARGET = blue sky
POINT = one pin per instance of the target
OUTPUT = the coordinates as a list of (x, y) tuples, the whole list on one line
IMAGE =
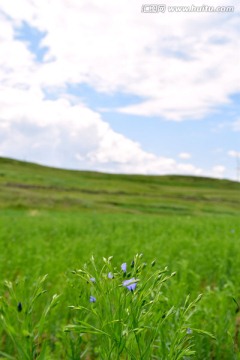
[(32, 37), (126, 93)]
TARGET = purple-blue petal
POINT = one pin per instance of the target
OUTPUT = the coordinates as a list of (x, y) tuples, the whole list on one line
[(92, 299), (132, 287), (124, 267), (130, 284), (110, 275)]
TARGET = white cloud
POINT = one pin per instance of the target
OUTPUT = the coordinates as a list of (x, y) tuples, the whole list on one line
[(180, 71), (184, 156), (234, 153), (72, 136), (218, 171)]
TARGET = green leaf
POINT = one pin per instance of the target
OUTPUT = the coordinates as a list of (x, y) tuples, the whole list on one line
[(203, 332), (6, 356)]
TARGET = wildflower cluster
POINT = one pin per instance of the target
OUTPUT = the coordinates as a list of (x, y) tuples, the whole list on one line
[(124, 310)]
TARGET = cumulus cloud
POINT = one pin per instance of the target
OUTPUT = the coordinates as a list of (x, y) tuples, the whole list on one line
[(73, 136), (181, 72)]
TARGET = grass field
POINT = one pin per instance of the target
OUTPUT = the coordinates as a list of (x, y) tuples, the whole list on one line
[(52, 221)]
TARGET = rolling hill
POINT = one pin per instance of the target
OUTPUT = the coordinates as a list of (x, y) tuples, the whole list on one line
[(26, 185)]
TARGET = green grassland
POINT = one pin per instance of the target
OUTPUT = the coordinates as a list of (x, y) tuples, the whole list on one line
[(52, 221), (30, 186)]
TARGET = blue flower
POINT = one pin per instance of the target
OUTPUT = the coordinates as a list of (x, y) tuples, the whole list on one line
[(92, 279), (124, 267), (110, 275), (92, 299), (130, 284)]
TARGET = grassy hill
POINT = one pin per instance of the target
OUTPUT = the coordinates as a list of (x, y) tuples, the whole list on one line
[(30, 186), (52, 221)]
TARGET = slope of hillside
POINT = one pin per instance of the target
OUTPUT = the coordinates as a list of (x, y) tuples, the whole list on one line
[(30, 186)]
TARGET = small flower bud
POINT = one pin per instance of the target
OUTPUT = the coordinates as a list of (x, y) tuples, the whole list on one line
[(19, 307)]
